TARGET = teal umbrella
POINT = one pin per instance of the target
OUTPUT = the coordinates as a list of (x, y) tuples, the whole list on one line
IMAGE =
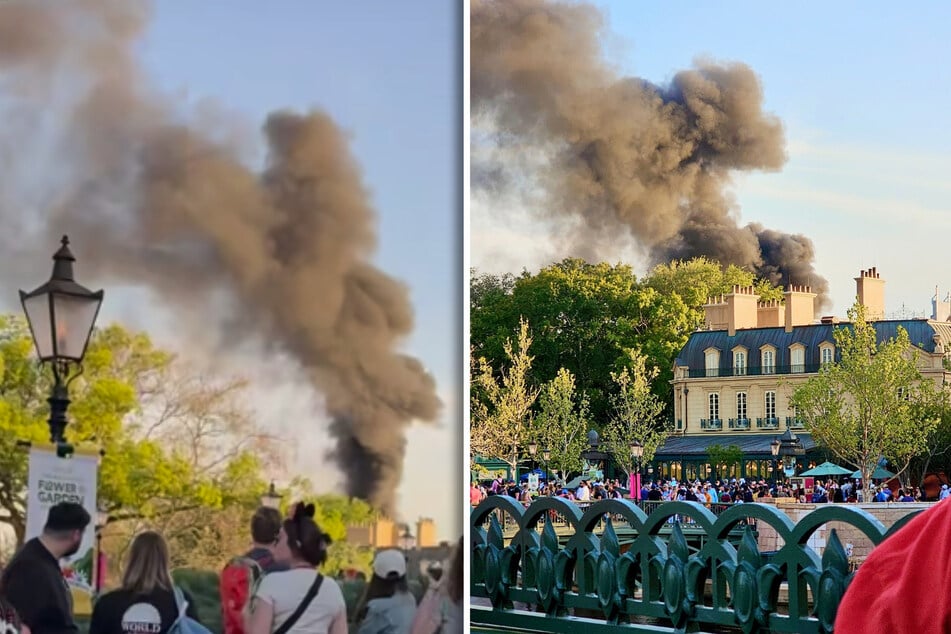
[(880, 473), (826, 469)]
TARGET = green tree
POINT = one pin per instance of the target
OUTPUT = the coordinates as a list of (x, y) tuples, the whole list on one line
[(698, 279), (171, 442), (636, 414), (864, 406), (933, 404), (500, 411), (726, 457), (562, 422), (587, 318)]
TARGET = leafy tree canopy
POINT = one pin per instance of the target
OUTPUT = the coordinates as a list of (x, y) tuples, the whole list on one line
[(867, 405), (589, 318)]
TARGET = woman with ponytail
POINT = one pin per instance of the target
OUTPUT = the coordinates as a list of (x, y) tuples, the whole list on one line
[(299, 600)]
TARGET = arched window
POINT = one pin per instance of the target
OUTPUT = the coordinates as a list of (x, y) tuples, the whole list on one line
[(826, 355), (768, 362)]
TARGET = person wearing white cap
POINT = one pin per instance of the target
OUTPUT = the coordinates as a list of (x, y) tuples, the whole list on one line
[(387, 607)]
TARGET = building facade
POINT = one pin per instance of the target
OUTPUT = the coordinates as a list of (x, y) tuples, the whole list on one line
[(733, 381)]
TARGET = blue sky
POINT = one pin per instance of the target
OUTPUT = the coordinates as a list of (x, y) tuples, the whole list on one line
[(863, 92), (387, 74)]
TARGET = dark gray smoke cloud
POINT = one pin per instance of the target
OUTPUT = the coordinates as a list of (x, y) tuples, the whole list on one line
[(620, 151), (155, 196)]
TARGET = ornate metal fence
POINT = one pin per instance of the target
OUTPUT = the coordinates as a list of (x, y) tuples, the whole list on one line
[(655, 584)]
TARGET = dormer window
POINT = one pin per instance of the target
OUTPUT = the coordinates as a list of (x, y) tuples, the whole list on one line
[(768, 359), (739, 361), (797, 358), (712, 360), (826, 353)]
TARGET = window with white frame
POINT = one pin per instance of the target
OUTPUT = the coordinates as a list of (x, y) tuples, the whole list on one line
[(740, 406), (826, 354), (712, 359), (770, 404), (797, 359), (739, 362), (768, 361), (714, 407)]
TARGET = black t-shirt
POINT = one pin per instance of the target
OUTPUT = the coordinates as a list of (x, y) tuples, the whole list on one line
[(122, 612), (33, 584)]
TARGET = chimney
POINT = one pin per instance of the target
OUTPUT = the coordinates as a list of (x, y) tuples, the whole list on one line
[(733, 311), (770, 314), (800, 306), (870, 290), (940, 309)]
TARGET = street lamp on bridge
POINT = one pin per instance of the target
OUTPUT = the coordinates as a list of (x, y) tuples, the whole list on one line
[(61, 314)]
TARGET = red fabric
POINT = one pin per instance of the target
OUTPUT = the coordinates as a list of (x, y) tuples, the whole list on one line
[(904, 585), (235, 587)]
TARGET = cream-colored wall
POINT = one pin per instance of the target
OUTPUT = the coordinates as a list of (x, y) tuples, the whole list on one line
[(697, 399)]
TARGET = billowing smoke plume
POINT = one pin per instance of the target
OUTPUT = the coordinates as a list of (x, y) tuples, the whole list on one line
[(622, 152), (155, 196)]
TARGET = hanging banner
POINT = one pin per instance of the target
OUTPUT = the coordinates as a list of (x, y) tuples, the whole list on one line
[(52, 480)]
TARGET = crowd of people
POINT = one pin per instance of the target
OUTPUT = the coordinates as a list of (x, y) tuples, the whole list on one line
[(274, 588), (716, 491)]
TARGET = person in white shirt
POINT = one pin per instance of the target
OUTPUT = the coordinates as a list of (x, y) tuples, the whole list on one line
[(299, 600), (584, 493)]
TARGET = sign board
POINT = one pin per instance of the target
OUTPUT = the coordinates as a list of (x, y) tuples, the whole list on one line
[(533, 481), (52, 480)]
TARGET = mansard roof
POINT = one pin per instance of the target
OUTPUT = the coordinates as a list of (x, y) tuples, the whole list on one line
[(920, 331)]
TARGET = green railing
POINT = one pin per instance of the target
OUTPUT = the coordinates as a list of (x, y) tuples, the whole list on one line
[(656, 584)]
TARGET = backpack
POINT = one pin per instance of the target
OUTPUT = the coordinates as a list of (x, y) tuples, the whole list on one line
[(184, 624), (239, 581)]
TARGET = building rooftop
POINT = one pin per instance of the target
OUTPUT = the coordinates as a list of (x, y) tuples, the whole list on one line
[(920, 331)]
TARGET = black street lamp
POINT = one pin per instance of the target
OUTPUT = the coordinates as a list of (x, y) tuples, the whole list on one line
[(774, 449), (271, 499), (61, 314), (637, 451), (546, 456), (789, 447), (532, 450), (102, 518), (407, 541)]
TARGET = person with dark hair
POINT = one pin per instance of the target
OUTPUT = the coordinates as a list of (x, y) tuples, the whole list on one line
[(441, 608), (265, 529), (299, 600), (242, 575), (146, 601), (33, 581), (387, 607)]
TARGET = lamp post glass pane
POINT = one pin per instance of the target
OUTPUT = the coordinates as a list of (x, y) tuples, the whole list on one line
[(37, 309), (74, 318)]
